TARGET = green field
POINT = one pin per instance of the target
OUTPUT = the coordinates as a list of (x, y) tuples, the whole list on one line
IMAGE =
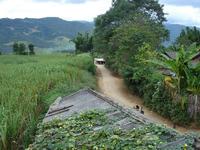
[(29, 84)]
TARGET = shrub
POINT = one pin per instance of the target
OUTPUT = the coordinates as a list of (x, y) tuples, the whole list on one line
[(158, 99)]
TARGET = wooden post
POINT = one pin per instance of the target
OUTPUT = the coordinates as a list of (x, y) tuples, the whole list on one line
[(195, 107)]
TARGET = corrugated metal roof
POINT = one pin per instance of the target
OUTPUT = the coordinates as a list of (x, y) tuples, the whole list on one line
[(172, 55), (125, 118), (85, 100)]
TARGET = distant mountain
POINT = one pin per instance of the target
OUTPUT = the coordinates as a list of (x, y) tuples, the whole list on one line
[(53, 33), (175, 30)]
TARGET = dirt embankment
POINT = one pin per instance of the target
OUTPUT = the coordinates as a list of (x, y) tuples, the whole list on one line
[(114, 87)]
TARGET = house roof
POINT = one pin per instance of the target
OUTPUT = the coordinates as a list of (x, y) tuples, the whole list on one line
[(125, 118), (85, 100), (172, 55), (197, 57)]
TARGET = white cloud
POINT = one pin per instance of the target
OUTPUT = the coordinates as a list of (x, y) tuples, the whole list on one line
[(194, 3), (65, 1), (51, 8), (186, 15), (89, 9)]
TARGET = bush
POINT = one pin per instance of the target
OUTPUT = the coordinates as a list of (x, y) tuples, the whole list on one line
[(163, 103), (158, 99)]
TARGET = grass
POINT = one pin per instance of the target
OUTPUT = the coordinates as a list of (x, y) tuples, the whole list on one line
[(28, 85)]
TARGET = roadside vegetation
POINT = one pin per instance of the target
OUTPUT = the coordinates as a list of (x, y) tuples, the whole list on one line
[(28, 85), (130, 37)]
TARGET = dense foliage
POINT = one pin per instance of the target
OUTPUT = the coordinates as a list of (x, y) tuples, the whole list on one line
[(131, 33), (28, 85), (77, 132), (125, 27), (145, 79), (83, 42), (139, 13), (183, 68), (189, 36)]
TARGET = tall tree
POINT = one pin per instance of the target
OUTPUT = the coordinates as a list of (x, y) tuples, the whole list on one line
[(16, 48), (31, 49), (83, 42), (123, 29), (124, 11), (22, 49)]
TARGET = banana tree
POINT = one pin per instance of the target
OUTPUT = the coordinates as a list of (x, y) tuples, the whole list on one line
[(178, 66), (193, 81)]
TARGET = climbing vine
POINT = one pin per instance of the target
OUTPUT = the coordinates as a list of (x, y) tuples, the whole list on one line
[(94, 130)]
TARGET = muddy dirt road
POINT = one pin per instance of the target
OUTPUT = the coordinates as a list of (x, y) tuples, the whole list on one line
[(114, 87)]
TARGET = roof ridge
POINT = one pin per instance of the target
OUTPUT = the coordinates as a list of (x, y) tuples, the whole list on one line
[(130, 112)]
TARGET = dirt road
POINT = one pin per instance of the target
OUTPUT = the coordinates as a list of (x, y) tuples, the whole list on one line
[(114, 87)]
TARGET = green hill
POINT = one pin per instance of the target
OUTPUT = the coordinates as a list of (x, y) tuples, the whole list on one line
[(45, 33), (53, 34), (175, 30)]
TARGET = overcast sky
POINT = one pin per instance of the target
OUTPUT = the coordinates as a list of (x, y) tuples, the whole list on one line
[(185, 12)]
